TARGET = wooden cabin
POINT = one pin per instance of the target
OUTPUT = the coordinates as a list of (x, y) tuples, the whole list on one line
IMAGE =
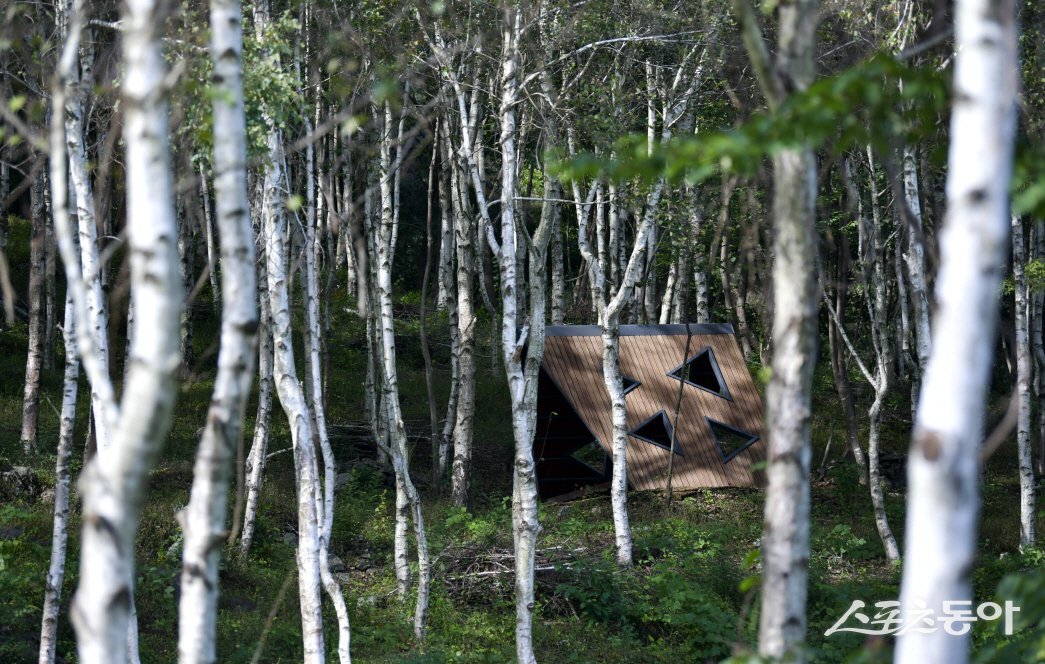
[(718, 430)]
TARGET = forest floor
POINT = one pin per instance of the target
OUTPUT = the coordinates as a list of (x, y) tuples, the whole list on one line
[(692, 596)]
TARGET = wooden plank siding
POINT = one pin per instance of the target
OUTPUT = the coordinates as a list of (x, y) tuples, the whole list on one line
[(648, 353)]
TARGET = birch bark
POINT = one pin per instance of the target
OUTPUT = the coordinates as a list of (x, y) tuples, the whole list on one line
[(1023, 388), (258, 454), (204, 519), (288, 388), (113, 486), (59, 535), (943, 468), (785, 541), (408, 502), (34, 356)]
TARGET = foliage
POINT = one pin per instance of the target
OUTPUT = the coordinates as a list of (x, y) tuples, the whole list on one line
[(878, 102)]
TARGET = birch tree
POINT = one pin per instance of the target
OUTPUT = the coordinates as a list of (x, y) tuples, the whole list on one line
[(203, 521), (785, 541), (113, 486), (874, 258), (408, 502), (34, 357), (285, 379), (943, 498), (60, 531), (1024, 451)]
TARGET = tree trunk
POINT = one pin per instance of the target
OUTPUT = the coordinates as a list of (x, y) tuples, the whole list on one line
[(943, 468), (915, 257), (785, 542), (208, 234), (258, 455), (466, 324), (408, 504), (1038, 343), (34, 357), (113, 484), (56, 572), (92, 323), (203, 520), (1023, 391), (288, 387)]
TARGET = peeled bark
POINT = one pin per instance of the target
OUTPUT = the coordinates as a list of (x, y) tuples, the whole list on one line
[(59, 535), (113, 484), (203, 521), (943, 468)]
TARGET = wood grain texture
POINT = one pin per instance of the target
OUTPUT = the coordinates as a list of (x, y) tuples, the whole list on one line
[(574, 362)]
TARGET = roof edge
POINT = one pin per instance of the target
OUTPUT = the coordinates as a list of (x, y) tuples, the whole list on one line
[(640, 330)]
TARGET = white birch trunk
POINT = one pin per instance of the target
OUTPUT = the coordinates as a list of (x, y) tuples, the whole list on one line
[(313, 345), (289, 389), (258, 455), (915, 258), (943, 466), (59, 535), (408, 504), (204, 519), (212, 248), (113, 485), (93, 323), (1023, 388), (785, 541), (442, 451), (34, 356)]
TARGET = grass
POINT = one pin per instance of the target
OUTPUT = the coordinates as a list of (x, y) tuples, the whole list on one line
[(692, 595)]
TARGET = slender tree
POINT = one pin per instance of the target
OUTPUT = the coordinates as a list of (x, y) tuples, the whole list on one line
[(113, 485), (204, 519), (785, 541), (943, 466)]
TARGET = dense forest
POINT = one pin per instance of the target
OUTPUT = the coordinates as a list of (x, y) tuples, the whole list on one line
[(275, 282)]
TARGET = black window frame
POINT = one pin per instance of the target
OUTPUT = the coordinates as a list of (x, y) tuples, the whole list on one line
[(667, 427), (752, 439), (677, 374)]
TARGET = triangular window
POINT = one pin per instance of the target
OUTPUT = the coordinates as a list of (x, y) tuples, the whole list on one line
[(729, 441), (628, 382), (656, 430), (593, 456), (702, 371)]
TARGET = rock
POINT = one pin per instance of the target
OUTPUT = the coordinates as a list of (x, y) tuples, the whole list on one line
[(290, 538), (19, 483), (343, 578), (341, 481), (47, 497), (335, 564), (10, 533)]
